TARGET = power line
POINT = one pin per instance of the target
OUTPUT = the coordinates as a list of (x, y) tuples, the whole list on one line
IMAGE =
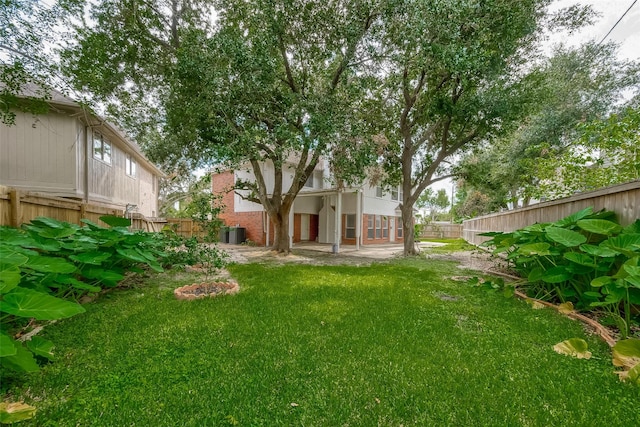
[(616, 24)]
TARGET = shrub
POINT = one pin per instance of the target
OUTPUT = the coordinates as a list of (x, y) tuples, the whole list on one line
[(47, 265), (586, 258)]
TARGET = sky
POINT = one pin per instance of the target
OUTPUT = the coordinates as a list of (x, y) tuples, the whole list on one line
[(626, 34)]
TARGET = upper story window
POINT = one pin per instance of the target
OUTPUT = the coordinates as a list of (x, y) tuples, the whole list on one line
[(101, 148), (396, 193), (378, 191), (130, 165), (309, 182)]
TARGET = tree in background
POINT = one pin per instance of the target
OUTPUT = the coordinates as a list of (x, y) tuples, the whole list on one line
[(29, 33), (606, 152), (577, 87), (436, 203)]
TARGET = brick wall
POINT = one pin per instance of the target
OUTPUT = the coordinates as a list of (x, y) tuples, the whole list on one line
[(222, 183)]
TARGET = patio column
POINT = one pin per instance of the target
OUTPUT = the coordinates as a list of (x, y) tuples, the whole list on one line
[(338, 222), (358, 218)]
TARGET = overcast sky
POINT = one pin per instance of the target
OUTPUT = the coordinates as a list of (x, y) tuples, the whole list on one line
[(626, 33)]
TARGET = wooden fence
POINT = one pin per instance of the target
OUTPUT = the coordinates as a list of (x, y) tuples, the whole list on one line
[(18, 207), (184, 227), (623, 199), (442, 230)]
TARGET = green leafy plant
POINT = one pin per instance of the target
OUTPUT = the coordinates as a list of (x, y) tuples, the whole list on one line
[(48, 264), (586, 258)]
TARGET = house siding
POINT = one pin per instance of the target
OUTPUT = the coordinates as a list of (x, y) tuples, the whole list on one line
[(39, 153), (52, 154)]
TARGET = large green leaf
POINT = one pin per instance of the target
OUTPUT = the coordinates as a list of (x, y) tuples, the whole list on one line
[(57, 233), (599, 226), (565, 237), (50, 265), (22, 361), (14, 237), (7, 346), (535, 275), (573, 218), (601, 281), (131, 254), (623, 244), (599, 251), (115, 221), (535, 249), (580, 258), (95, 257), (12, 255), (556, 275), (25, 302), (107, 277), (41, 347), (46, 222), (77, 284), (633, 228), (9, 277)]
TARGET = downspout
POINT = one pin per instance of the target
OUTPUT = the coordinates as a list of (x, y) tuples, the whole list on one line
[(265, 223), (87, 154)]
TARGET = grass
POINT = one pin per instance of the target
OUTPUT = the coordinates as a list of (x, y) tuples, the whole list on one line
[(451, 245), (391, 344)]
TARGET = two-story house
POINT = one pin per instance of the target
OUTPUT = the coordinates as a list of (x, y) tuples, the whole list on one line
[(69, 152), (362, 215)]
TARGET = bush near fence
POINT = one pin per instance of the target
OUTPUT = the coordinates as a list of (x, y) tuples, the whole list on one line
[(623, 199)]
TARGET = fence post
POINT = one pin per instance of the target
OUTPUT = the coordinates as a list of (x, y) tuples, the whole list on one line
[(14, 200), (83, 212)]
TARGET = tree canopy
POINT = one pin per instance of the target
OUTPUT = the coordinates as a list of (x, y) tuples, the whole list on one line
[(577, 86)]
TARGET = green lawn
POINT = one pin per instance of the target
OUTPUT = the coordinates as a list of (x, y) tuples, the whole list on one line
[(389, 345)]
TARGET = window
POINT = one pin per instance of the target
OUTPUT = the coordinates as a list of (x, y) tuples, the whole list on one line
[(370, 227), (101, 148), (378, 227), (396, 193), (399, 227), (130, 165), (385, 227), (350, 227), (309, 182), (378, 191)]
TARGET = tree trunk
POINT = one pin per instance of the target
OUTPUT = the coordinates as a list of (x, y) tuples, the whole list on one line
[(280, 219), (408, 231)]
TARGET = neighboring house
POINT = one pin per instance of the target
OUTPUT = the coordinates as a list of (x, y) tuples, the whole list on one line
[(355, 216), (69, 152)]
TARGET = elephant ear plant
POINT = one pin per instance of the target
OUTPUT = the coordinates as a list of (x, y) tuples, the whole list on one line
[(47, 265), (586, 258)]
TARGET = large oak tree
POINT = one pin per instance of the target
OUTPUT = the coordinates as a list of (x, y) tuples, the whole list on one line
[(454, 77)]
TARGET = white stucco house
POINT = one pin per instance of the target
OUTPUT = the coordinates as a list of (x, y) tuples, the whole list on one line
[(362, 215)]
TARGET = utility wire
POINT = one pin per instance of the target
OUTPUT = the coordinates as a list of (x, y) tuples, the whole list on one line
[(616, 24)]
